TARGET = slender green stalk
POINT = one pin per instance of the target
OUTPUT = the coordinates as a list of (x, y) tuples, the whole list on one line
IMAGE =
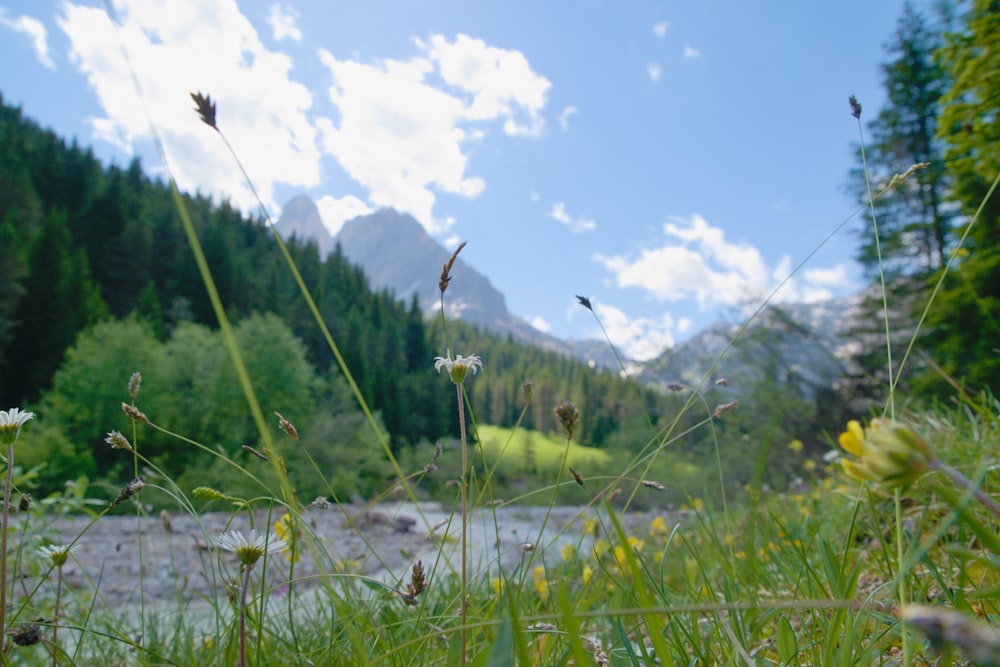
[(463, 587), (55, 618), (3, 544)]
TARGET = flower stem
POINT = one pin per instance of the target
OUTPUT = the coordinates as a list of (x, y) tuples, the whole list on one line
[(465, 509), (902, 587), (3, 544), (55, 620), (243, 618)]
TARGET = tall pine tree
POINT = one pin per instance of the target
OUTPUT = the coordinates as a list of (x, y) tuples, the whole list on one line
[(966, 317)]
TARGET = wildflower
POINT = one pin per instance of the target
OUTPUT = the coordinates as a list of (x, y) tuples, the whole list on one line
[(207, 493), (855, 106), (658, 527), (459, 366), (250, 550), (57, 553), (118, 441), (205, 109), (724, 408), (417, 583), (11, 422), (134, 413), (289, 533), (540, 583), (134, 383), (568, 552), (26, 634), (588, 573), (496, 584), (887, 452), (796, 445), (567, 415), (287, 426), (446, 270), (130, 489)]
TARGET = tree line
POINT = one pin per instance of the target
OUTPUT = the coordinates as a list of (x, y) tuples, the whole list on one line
[(938, 224)]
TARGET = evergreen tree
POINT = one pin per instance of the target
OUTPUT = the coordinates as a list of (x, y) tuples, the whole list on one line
[(915, 220), (966, 316)]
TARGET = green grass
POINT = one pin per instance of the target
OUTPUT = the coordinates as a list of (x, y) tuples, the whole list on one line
[(823, 574), (544, 450)]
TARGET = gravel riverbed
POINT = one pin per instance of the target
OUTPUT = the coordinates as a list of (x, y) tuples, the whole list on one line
[(180, 560)]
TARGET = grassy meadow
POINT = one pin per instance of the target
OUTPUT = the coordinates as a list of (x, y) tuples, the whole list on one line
[(885, 551)]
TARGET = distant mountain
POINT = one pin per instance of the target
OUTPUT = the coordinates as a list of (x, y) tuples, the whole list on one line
[(801, 344), (397, 254), (795, 343), (301, 218)]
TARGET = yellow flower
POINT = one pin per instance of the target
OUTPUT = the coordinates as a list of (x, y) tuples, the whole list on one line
[(496, 584), (568, 552), (588, 572), (795, 445), (540, 582), (287, 530), (887, 452), (658, 527)]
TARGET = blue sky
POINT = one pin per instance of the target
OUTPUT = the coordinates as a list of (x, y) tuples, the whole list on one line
[(673, 161)]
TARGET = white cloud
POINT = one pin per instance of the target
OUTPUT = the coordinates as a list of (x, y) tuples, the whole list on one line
[(501, 81), (540, 324), (209, 46), (282, 20), (564, 116), (696, 262), (335, 212), (403, 152), (35, 31), (834, 276), (576, 225), (640, 338), (660, 29), (655, 71), (690, 53)]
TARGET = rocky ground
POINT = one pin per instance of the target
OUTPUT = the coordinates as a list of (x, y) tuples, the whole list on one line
[(180, 560)]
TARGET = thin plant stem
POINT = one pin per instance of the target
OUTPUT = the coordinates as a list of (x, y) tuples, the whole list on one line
[(55, 619), (902, 587), (243, 619), (3, 545), (465, 510)]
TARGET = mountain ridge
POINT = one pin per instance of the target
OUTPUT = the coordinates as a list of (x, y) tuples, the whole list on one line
[(394, 250)]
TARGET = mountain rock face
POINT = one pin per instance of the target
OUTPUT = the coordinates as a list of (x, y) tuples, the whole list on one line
[(397, 254), (800, 344), (300, 218), (803, 344)]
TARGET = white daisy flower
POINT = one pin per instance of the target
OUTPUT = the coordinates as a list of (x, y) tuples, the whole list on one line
[(57, 553), (249, 550), (11, 422), (459, 366)]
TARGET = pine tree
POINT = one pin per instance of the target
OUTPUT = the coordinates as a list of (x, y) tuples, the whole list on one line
[(915, 224), (966, 317)]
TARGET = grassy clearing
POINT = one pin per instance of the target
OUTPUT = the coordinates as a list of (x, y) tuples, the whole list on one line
[(522, 447)]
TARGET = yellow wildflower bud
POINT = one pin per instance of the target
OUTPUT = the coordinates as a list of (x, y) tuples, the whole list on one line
[(886, 452)]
